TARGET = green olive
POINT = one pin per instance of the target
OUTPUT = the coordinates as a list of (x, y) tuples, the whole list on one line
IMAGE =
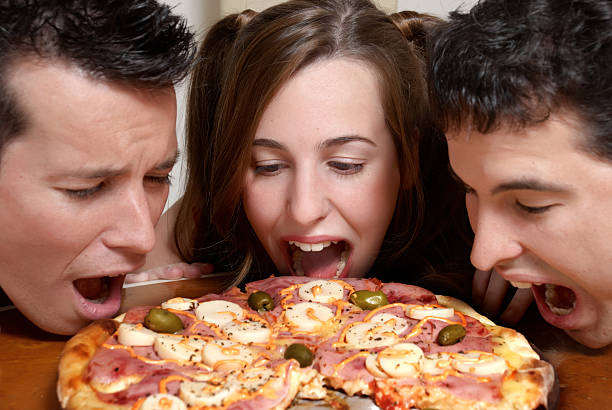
[(369, 300), (450, 335), (160, 320), (301, 353), (259, 300)]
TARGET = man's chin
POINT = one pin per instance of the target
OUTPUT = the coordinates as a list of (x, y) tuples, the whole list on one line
[(593, 339)]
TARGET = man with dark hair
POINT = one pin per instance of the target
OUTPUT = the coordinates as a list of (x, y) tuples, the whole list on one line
[(87, 140), (524, 91)]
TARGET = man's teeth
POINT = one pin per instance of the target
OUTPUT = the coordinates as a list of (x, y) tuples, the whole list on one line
[(523, 285), (312, 247)]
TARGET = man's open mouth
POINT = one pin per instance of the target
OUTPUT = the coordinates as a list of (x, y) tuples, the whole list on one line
[(327, 259), (95, 290), (560, 300)]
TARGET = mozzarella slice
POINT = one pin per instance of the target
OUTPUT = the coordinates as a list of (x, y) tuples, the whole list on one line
[(399, 324), (207, 394), (322, 291), (185, 348), (227, 355), (366, 335), (401, 360), (247, 331), (254, 379), (219, 312), (371, 364), (308, 316), (479, 363), (180, 304), (421, 312), (130, 334), (435, 365), (163, 401)]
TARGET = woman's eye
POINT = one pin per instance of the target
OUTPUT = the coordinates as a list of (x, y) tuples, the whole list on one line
[(533, 209), (346, 168), (84, 193), (271, 169)]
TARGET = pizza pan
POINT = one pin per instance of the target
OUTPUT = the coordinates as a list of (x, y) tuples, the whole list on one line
[(340, 402)]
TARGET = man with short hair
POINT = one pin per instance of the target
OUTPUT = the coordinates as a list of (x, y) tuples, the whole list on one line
[(87, 142), (524, 91)]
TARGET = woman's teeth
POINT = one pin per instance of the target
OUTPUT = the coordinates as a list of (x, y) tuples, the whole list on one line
[(312, 247), (316, 247)]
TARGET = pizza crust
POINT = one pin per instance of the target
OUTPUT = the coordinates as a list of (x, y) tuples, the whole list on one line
[(534, 380), (74, 392)]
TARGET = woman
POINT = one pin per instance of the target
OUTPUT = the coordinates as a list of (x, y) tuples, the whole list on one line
[(303, 135)]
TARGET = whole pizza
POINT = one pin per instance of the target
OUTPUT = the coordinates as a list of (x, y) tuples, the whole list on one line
[(293, 338)]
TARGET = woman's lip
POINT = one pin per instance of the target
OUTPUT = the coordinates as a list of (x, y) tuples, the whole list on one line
[(95, 311)]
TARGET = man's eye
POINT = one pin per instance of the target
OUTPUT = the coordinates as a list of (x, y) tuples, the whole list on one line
[(271, 169), (346, 168), (162, 180), (84, 193), (533, 209), (468, 190)]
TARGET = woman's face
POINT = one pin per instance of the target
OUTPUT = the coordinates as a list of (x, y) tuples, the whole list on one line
[(324, 179)]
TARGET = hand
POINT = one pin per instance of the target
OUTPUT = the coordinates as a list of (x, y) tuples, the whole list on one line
[(174, 271), (488, 291)]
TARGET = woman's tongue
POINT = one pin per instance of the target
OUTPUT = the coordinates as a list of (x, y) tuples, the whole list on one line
[(94, 289), (321, 264)]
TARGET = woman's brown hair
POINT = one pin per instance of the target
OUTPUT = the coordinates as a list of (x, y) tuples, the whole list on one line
[(243, 61)]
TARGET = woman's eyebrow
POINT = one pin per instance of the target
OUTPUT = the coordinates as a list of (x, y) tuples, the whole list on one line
[(343, 140), (268, 143)]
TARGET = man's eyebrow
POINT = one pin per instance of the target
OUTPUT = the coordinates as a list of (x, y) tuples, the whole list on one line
[(528, 184), (169, 163), (109, 172)]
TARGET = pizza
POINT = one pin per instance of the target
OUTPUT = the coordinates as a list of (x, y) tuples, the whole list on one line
[(291, 338)]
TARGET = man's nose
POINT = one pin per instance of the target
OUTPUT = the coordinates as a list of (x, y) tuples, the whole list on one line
[(494, 239), (132, 224)]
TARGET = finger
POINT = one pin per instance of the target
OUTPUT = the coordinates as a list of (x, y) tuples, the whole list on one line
[(204, 268), (494, 296), (137, 277), (175, 271), (518, 306), (480, 281)]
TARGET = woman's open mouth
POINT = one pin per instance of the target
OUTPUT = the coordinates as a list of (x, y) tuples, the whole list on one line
[(327, 259)]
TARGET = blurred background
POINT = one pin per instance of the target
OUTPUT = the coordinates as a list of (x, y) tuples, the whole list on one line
[(201, 14)]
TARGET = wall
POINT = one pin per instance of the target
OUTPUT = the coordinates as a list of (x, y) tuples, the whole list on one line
[(201, 14), (437, 7)]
